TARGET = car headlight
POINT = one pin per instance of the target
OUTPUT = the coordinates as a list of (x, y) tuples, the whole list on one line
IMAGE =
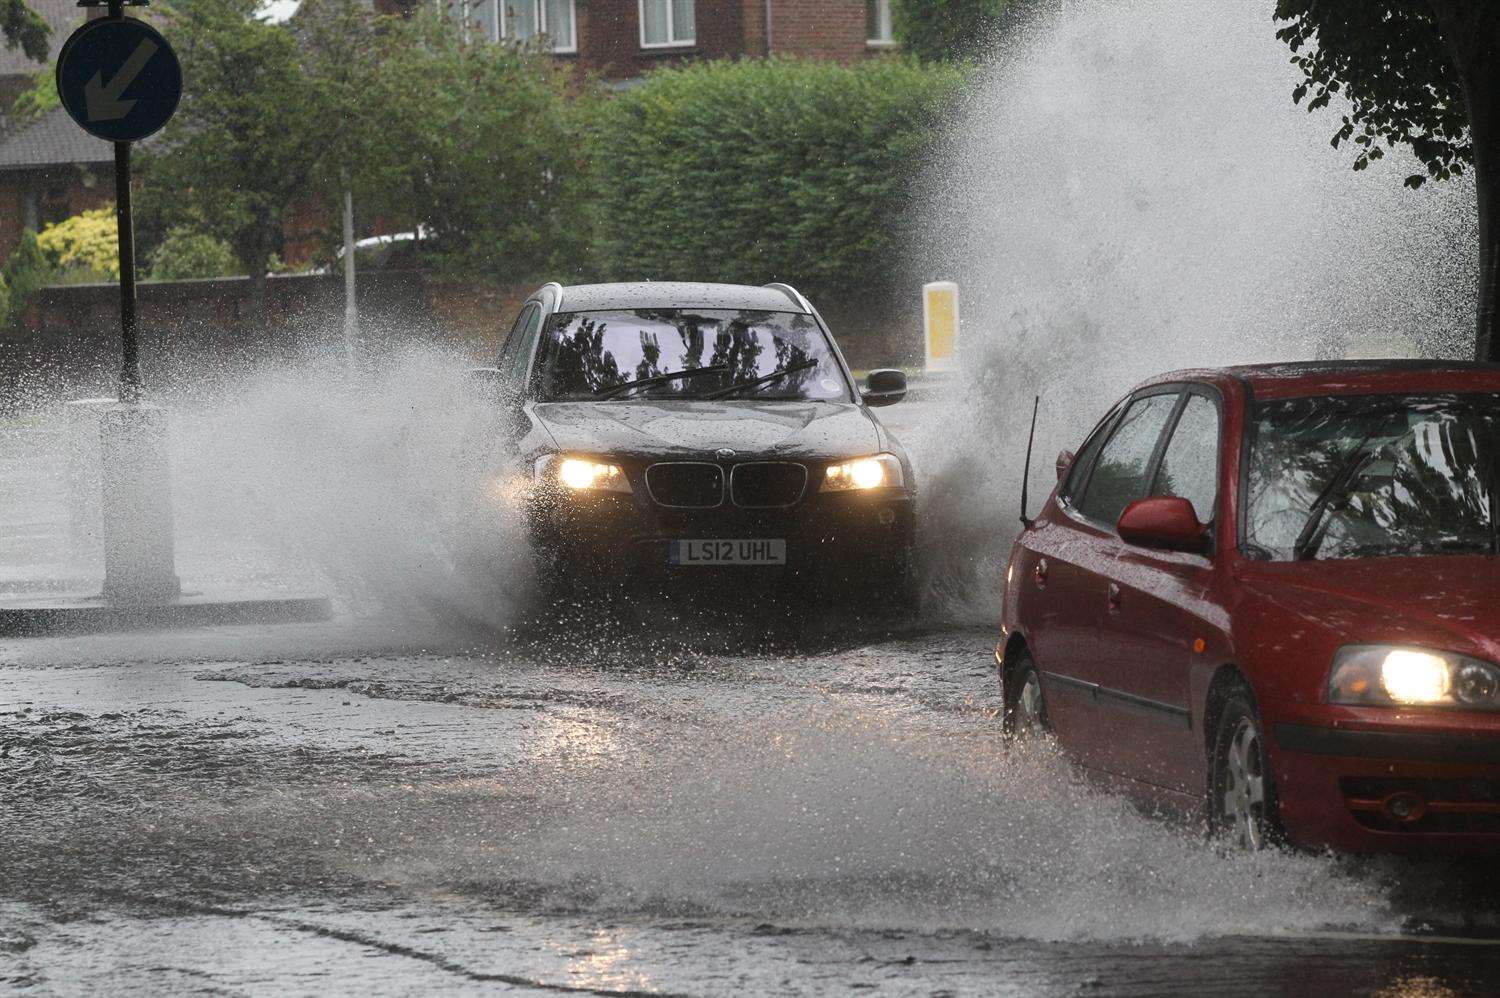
[(1394, 675), (879, 471), (580, 474)]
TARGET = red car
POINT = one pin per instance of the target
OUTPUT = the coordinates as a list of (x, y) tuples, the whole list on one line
[(1273, 593)]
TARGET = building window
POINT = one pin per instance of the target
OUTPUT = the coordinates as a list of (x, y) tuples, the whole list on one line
[(668, 22), (878, 23), (521, 20)]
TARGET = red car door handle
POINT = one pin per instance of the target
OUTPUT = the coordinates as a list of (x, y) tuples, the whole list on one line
[(1114, 597), (1041, 573)]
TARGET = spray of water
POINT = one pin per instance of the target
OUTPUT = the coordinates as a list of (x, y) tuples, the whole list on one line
[(375, 485), (1132, 191), (843, 819)]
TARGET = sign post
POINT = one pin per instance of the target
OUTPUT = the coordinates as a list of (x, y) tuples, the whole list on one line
[(120, 81)]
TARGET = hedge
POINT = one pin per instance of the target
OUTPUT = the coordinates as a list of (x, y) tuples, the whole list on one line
[(765, 170)]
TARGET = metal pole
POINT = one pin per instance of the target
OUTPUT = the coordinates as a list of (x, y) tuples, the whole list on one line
[(351, 315), (130, 368)]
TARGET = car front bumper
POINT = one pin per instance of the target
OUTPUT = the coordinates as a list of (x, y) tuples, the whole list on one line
[(1367, 779), (848, 540)]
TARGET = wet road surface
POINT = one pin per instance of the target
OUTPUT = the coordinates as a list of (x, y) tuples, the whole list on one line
[(377, 808)]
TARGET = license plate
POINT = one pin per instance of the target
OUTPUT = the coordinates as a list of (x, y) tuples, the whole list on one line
[(727, 552)]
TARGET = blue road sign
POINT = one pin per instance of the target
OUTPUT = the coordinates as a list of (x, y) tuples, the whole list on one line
[(118, 78)]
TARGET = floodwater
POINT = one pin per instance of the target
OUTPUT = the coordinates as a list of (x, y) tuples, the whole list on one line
[(403, 813)]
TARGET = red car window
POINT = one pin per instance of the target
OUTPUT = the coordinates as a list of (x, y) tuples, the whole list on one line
[(1190, 466), (1119, 475)]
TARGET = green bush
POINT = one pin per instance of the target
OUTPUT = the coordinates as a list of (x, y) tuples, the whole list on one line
[(949, 29), (760, 170), (39, 97), (477, 145), (24, 272), (86, 243), (186, 254)]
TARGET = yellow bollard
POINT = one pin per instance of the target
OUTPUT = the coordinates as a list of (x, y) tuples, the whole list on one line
[(940, 323)]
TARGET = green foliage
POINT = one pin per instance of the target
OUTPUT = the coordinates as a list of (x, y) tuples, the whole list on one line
[(87, 242), (39, 97), (757, 171), (4, 302), (25, 270), (186, 254), (477, 145), (239, 155), (23, 28), (1388, 59), (948, 29)]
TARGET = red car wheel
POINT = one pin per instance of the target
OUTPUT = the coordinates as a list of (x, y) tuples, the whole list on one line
[(1242, 799)]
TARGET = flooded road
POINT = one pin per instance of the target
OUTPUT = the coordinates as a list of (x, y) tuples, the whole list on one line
[(406, 812)]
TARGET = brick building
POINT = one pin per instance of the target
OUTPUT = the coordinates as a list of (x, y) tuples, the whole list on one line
[(49, 168), (623, 39)]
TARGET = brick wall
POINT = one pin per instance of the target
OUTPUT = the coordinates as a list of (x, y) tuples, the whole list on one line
[(69, 345), (819, 29), (609, 33)]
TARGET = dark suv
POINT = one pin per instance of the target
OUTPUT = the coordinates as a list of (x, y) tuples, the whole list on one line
[(701, 433)]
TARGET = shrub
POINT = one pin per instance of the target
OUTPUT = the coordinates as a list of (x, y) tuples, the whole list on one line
[(39, 97), (87, 242), (949, 29), (757, 171), (4, 302), (476, 144), (25, 270), (185, 254)]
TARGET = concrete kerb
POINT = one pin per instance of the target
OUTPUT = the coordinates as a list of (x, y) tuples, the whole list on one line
[(52, 614)]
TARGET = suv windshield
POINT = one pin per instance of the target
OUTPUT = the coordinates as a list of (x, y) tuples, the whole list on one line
[(1364, 477), (687, 354)]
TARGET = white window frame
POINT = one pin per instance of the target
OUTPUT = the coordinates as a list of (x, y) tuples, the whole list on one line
[(497, 17), (882, 43), (672, 42)]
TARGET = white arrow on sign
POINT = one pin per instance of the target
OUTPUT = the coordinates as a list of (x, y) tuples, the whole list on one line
[(103, 100)]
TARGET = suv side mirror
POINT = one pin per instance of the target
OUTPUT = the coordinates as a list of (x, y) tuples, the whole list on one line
[(884, 387), (1166, 523), (1064, 462)]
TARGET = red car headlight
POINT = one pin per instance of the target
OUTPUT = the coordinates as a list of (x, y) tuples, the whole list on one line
[(1395, 675)]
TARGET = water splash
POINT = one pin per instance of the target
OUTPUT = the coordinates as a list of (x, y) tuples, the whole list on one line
[(1132, 191), (376, 486), (842, 819)]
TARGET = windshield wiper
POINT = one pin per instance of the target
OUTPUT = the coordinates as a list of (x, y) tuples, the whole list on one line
[(1416, 548), (658, 379), (740, 386), (1304, 548)]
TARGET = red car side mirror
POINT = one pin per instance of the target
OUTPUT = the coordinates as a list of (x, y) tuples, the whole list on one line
[(1166, 523), (1064, 462)]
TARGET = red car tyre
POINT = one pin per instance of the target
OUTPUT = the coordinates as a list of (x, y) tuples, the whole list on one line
[(1026, 713), (1242, 798)]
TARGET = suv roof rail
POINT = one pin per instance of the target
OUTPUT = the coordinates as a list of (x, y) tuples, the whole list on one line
[(795, 296)]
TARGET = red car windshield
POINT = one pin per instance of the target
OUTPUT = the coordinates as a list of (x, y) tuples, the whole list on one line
[(688, 354), (1366, 477)]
